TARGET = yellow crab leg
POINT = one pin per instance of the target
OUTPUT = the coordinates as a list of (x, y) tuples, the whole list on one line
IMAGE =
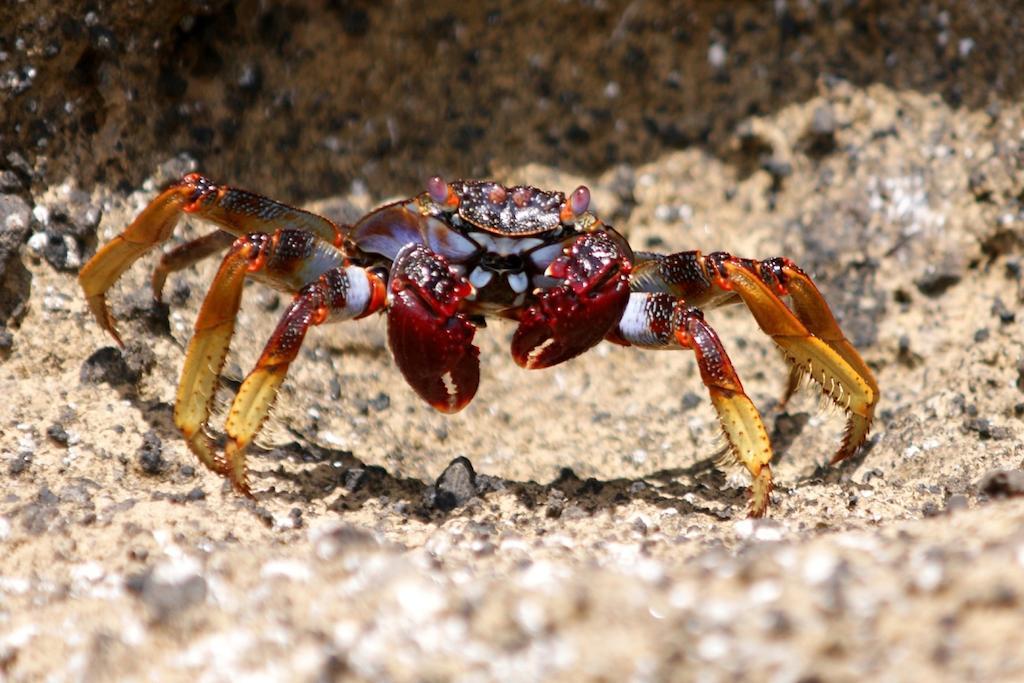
[(808, 334), (151, 227), (343, 293), (656, 320), (235, 211), (828, 358)]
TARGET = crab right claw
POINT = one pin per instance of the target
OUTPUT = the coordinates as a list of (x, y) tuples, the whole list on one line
[(431, 342), (573, 317)]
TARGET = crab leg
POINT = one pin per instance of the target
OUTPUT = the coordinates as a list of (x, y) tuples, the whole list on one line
[(343, 293), (288, 258), (236, 211), (188, 254), (662, 321), (808, 333)]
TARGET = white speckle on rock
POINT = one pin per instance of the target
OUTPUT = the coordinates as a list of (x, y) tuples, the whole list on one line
[(41, 214), (531, 616), (713, 646), (293, 570), (764, 592), (683, 596), (820, 566), (911, 451), (717, 54), (37, 242)]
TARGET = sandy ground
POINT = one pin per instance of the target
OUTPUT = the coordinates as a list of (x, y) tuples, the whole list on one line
[(597, 541)]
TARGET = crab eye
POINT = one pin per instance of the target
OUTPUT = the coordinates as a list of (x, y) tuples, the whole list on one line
[(438, 189), (580, 200)]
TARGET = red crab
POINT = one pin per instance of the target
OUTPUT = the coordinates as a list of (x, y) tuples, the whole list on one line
[(438, 264)]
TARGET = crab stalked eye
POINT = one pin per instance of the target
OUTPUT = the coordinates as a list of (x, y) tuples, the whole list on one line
[(580, 200), (576, 205), (438, 189)]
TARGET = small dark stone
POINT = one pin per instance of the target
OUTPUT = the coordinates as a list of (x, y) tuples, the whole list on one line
[(957, 502), (342, 538), (691, 401), (981, 334), (1002, 483), (46, 496), (930, 510), (195, 494), (778, 168), (107, 365), (455, 486), (6, 340), (936, 280), (187, 471), (15, 222), (1005, 315), (56, 252), (17, 163), (380, 402), (76, 493), (10, 182), (355, 478), (19, 464), (57, 434), (150, 454), (556, 505), (36, 517), (823, 121), (986, 430), (163, 597)]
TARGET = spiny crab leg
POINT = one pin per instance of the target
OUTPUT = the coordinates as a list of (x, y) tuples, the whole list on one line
[(342, 293), (808, 334), (821, 351), (287, 258), (188, 254), (236, 211), (662, 321)]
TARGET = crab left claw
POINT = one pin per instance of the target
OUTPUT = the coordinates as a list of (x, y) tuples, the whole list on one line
[(575, 316), (432, 343)]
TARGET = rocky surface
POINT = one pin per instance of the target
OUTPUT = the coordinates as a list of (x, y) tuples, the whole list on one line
[(570, 524)]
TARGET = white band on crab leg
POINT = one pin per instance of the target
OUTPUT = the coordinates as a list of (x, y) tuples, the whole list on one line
[(646, 322)]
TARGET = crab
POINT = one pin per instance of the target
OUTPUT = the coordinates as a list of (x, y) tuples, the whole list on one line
[(437, 265)]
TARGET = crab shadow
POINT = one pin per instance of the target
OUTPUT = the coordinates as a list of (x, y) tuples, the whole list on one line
[(305, 472), (301, 471)]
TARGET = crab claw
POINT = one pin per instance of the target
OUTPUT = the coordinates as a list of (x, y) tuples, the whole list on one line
[(430, 340), (572, 317)]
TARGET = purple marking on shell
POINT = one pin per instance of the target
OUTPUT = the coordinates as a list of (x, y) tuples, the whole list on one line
[(438, 189), (497, 195), (580, 200), (521, 197)]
